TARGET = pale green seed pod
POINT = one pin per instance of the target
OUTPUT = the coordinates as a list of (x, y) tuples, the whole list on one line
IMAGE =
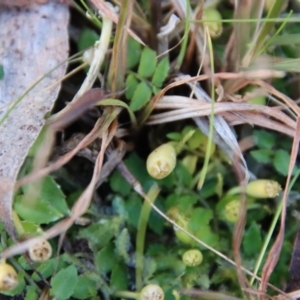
[(263, 188), (40, 252), (8, 277), (151, 292), (231, 211), (161, 161), (192, 258), (215, 26)]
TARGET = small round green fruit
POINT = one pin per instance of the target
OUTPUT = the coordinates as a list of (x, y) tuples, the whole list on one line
[(151, 292), (192, 258), (214, 23)]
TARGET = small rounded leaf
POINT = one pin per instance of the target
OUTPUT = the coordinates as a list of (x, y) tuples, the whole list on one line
[(161, 161)]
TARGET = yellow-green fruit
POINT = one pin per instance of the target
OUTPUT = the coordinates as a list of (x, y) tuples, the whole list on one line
[(151, 292), (161, 161), (231, 211), (192, 258), (8, 277), (215, 25), (263, 188), (40, 252)]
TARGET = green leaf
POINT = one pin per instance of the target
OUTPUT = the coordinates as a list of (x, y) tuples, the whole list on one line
[(118, 205), (141, 96), (1, 72), (87, 39), (149, 268), (119, 277), (105, 259), (134, 50), (203, 281), (41, 213), (264, 140), (161, 72), (48, 268), (31, 293), (85, 288), (118, 184), (186, 202), (137, 167), (99, 235), (63, 283), (281, 161), (206, 235), (133, 207), (200, 217), (156, 222), (252, 241), (183, 174), (174, 136), (286, 39), (131, 85), (122, 243), (148, 63), (52, 193), (30, 227), (262, 155)]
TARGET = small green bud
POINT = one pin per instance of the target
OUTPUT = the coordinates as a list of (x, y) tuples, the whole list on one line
[(161, 161), (192, 258), (151, 292), (263, 188), (215, 25)]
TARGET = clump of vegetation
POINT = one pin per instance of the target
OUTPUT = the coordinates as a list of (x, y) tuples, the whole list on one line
[(173, 182)]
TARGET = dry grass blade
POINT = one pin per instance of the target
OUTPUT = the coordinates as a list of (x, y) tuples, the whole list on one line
[(258, 119), (262, 74), (207, 295), (102, 124), (274, 253), (102, 6), (222, 135), (118, 60), (204, 109), (239, 231)]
